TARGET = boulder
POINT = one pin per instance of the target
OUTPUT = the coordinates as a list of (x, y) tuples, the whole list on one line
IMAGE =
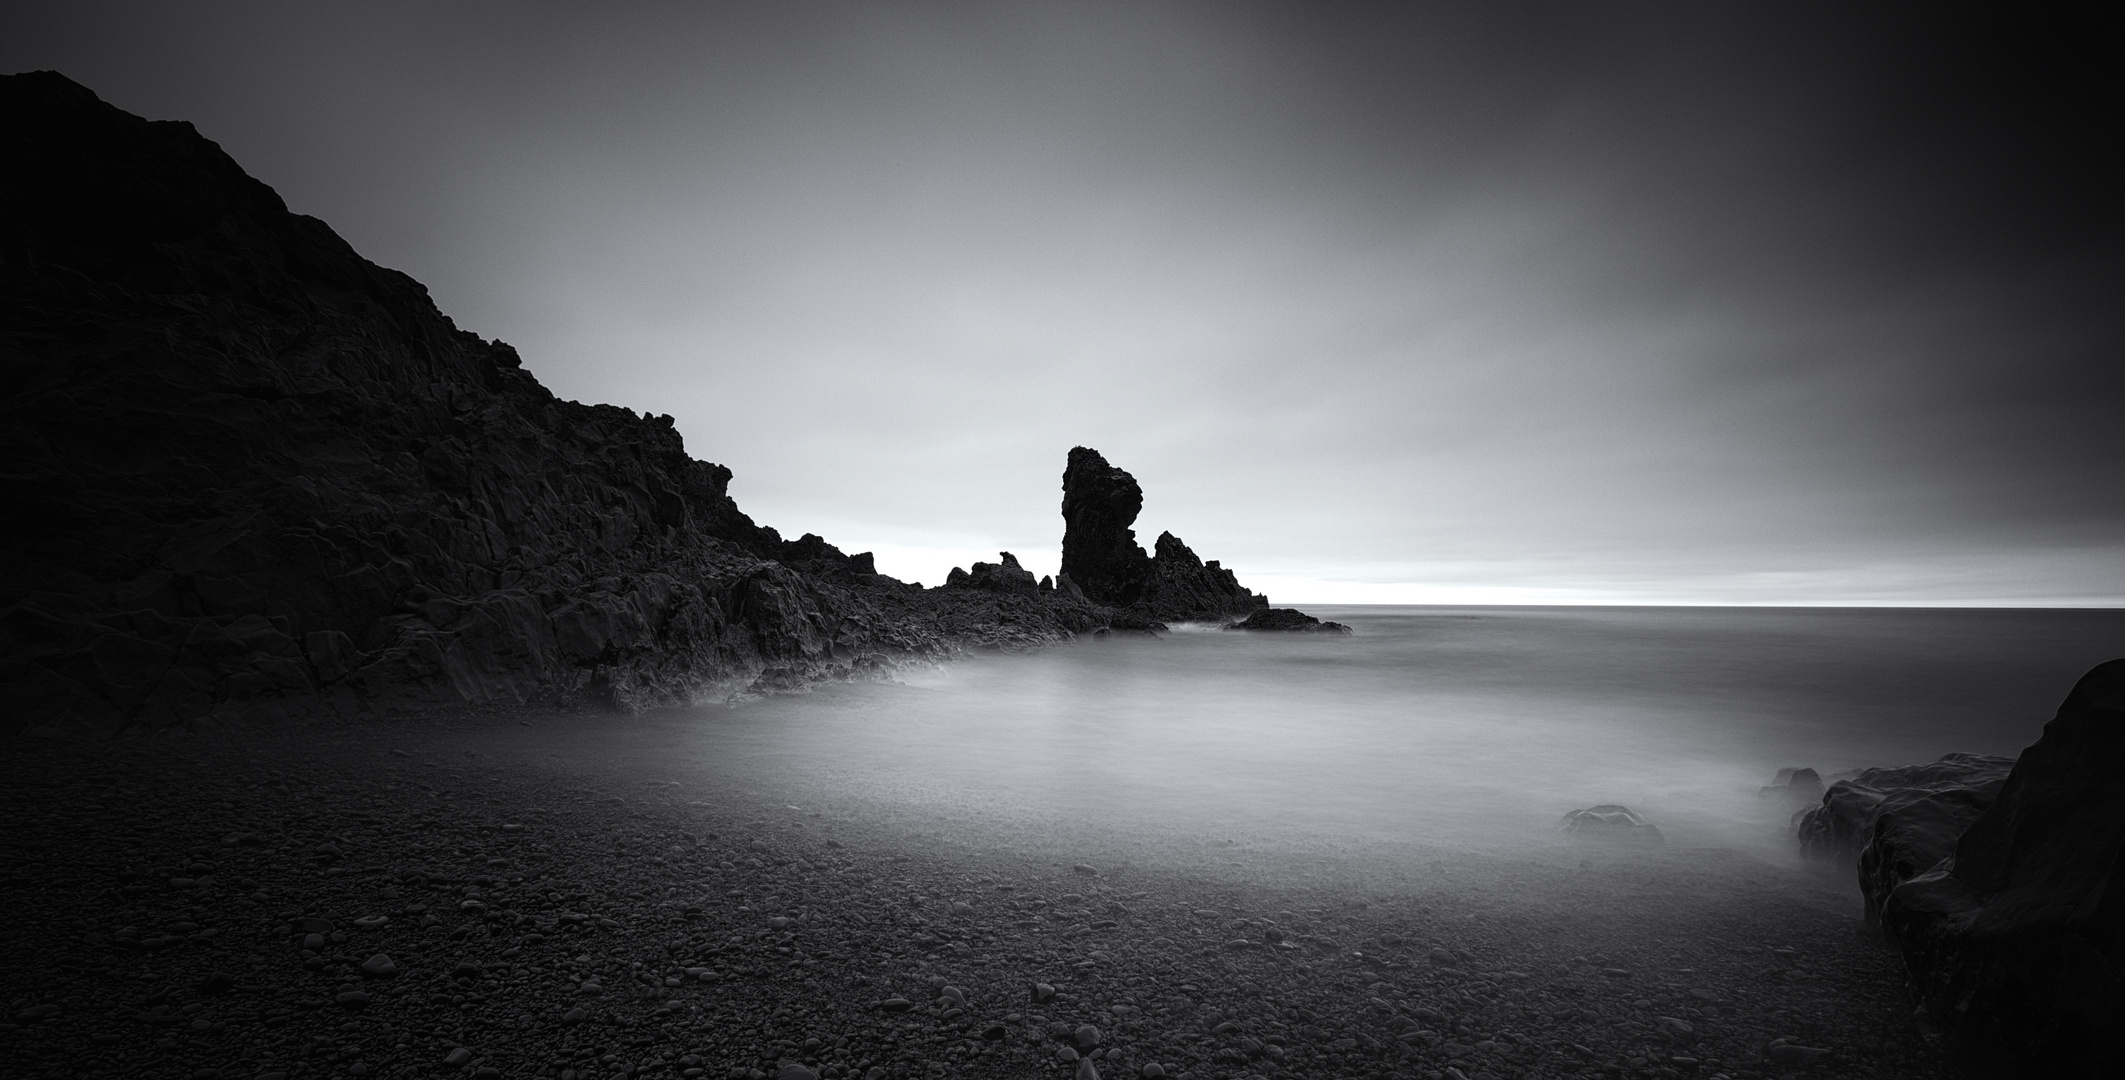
[(1610, 823), (2016, 937), (1287, 620)]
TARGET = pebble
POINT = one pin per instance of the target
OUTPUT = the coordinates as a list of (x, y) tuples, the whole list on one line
[(1066, 1054), (457, 1057), (1086, 1036), (379, 966)]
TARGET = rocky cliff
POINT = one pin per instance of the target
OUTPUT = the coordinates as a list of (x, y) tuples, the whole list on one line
[(249, 472), (2002, 882), (1100, 555)]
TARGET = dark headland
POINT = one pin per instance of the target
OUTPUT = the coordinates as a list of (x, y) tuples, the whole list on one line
[(363, 599), (252, 474)]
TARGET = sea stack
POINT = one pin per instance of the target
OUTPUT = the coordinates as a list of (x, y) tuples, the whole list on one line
[(1100, 555)]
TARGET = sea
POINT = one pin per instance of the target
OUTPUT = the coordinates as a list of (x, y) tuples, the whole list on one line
[(1473, 728)]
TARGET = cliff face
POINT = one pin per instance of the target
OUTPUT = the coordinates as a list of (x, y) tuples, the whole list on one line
[(249, 471), (1100, 555)]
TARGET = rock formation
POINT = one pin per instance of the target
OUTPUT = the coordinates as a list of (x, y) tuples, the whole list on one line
[(248, 472), (2016, 935), (1100, 555), (2002, 882), (1842, 825), (1003, 577)]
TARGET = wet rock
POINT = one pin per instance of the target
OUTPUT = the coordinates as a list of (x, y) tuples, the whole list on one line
[(1843, 824), (1611, 823)]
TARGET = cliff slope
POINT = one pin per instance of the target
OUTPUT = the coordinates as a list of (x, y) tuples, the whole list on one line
[(248, 471)]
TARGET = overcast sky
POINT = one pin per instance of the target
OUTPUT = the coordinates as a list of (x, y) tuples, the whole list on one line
[(1483, 303)]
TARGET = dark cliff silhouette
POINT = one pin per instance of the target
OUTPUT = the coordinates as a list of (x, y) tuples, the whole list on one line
[(251, 473)]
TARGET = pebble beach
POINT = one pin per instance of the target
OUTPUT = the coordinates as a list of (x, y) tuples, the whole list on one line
[(480, 897)]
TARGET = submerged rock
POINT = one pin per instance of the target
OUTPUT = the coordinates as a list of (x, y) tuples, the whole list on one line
[(1611, 823), (1799, 785), (2015, 936), (1289, 620)]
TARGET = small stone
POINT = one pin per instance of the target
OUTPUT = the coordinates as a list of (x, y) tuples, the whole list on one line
[(591, 988), (1087, 1071), (466, 970), (353, 999), (314, 942), (1152, 1070), (379, 967), (371, 922), (793, 1071), (1065, 1054), (1085, 869), (896, 1004), (457, 1058), (1794, 1054), (1042, 991), (575, 1016), (953, 994), (1086, 1036)]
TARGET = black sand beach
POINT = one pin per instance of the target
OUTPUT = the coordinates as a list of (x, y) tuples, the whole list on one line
[(548, 910)]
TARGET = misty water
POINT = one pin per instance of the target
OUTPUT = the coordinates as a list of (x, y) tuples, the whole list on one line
[(1474, 728)]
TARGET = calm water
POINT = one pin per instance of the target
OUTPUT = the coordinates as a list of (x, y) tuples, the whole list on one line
[(1474, 727)]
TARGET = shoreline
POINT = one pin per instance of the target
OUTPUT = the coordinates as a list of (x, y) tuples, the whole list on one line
[(1376, 960)]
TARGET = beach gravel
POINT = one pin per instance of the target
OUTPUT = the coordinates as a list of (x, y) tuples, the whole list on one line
[(378, 904)]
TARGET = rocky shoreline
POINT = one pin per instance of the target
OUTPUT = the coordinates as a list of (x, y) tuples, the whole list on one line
[(253, 475), (487, 901)]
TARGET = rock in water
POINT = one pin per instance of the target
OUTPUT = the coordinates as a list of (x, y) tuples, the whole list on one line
[(1843, 825), (1101, 557), (1288, 620), (2017, 938), (1610, 823)]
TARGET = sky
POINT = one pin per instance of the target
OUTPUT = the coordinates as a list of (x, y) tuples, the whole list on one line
[(1445, 303)]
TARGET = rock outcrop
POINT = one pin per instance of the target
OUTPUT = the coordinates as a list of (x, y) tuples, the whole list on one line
[(1842, 825), (1287, 620), (248, 472), (1101, 557), (2015, 936)]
